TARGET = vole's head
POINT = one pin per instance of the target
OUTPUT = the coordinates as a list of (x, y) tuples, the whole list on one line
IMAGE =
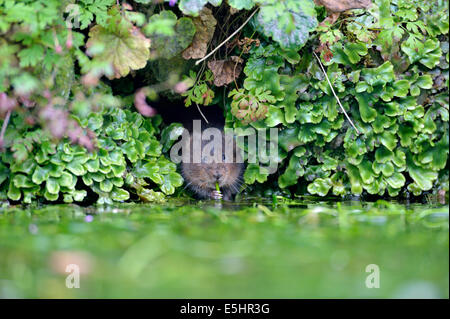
[(218, 161)]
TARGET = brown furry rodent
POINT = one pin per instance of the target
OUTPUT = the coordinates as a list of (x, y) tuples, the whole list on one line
[(201, 177)]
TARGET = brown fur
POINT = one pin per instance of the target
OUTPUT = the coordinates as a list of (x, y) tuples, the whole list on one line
[(201, 177)]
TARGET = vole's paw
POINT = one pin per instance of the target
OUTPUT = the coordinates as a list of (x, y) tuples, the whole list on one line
[(216, 195)]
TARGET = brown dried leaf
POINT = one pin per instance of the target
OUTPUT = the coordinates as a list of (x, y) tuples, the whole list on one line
[(225, 71), (205, 24)]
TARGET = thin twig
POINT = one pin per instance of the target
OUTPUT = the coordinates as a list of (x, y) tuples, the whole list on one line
[(227, 39), (334, 93), (5, 124), (201, 113)]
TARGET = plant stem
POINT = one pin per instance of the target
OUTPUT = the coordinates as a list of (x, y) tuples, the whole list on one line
[(334, 93), (227, 39), (5, 124)]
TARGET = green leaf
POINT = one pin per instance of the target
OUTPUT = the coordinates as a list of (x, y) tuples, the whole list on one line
[(40, 174), (149, 195), (423, 177), (355, 179), (106, 185), (320, 186), (354, 51), (241, 4), (401, 88), (397, 180), (383, 155), (49, 196), (167, 47), (149, 169), (76, 167), (380, 75), (119, 194), (368, 114), (193, 7), (22, 181), (287, 23), (255, 173), (427, 53), (79, 195), (66, 180), (170, 182), (124, 47), (170, 135), (13, 192), (31, 56), (52, 186), (292, 173)]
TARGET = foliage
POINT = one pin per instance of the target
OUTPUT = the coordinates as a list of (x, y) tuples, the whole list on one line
[(119, 43), (390, 70), (168, 46), (287, 22), (128, 159), (200, 92), (64, 63)]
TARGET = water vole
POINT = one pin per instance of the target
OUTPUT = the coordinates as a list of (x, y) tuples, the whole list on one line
[(215, 165)]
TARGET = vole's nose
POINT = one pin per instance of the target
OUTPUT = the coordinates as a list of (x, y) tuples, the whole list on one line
[(217, 176)]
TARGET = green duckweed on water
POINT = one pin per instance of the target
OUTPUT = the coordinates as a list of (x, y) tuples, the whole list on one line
[(181, 249)]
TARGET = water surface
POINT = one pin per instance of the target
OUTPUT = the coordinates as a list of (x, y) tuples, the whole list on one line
[(182, 249)]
